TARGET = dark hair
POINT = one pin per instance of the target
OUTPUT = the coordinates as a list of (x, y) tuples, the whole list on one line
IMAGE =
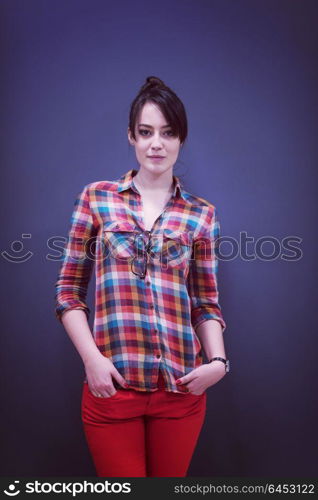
[(154, 90)]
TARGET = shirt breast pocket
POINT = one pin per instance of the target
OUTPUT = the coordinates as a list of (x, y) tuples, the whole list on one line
[(176, 249), (119, 238)]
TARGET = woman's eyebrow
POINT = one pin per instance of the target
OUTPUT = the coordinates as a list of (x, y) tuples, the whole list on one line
[(149, 126)]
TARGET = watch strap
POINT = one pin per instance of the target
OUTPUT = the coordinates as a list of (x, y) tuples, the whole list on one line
[(225, 361)]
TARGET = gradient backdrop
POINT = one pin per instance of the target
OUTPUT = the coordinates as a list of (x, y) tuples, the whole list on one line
[(246, 71)]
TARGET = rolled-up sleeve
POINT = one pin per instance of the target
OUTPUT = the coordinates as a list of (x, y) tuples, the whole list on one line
[(202, 277), (78, 259)]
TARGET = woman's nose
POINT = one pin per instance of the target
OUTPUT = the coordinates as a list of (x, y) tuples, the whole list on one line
[(156, 141)]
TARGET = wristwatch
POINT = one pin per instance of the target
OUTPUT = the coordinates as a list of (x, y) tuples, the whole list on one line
[(225, 361)]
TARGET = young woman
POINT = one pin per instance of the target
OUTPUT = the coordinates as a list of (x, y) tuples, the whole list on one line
[(156, 302)]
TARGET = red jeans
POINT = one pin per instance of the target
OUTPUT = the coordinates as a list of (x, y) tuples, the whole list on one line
[(142, 434)]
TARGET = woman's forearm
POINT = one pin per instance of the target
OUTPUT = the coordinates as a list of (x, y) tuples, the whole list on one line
[(211, 338), (77, 327)]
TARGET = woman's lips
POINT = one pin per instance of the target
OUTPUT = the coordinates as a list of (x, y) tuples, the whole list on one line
[(156, 158)]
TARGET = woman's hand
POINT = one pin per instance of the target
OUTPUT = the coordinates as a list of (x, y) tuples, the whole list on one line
[(99, 372), (199, 379)]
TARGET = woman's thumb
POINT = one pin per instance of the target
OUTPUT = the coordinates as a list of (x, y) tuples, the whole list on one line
[(120, 379)]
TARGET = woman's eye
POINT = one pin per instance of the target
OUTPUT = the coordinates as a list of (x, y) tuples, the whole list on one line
[(144, 132), (141, 131)]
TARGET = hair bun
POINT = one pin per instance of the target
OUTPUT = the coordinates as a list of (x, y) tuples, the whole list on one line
[(152, 82)]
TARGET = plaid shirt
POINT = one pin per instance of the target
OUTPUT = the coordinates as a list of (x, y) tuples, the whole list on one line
[(142, 322)]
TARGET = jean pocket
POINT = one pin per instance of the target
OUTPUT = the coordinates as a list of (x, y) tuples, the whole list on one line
[(197, 395), (98, 398)]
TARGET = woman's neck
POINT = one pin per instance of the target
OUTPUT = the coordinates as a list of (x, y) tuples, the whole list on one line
[(147, 182)]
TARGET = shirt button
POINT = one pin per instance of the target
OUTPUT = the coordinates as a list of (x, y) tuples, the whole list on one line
[(158, 355), (151, 306), (147, 283), (155, 330)]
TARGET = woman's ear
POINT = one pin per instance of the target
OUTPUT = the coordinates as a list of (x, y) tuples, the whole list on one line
[(130, 138)]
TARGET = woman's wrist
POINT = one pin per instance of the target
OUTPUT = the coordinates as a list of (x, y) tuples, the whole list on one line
[(217, 364), (92, 356), (223, 360)]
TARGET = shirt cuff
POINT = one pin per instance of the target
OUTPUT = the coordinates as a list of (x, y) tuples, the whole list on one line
[(199, 316), (59, 311)]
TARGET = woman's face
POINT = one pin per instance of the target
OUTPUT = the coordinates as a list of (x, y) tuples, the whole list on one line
[(154, 138)]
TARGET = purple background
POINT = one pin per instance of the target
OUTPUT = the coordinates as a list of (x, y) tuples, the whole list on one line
[(247, 74)]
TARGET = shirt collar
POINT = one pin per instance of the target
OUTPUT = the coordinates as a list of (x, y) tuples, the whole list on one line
[(126, 182)]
